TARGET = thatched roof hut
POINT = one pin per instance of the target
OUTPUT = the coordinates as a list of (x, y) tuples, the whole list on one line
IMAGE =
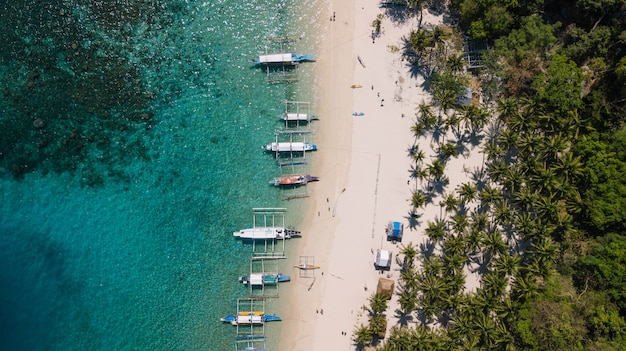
[(385, 287)]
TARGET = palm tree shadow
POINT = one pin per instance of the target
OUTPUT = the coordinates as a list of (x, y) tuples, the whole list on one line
[(427, 249), (413, 218), (403, 318), (397, 13)]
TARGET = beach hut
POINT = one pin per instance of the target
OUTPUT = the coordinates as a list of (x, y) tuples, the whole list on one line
[(385, 287), (395, 230), (383, 259)]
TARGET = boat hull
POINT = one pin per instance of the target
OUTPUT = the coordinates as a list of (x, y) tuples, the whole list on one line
[(264, 279), (250, 318), (282, 59), (266, 233), (294, 179), (287, 146)]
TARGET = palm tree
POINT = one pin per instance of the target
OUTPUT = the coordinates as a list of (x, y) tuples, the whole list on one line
[(569, 167), (435, 230), (378, 325), (363, 335), (459, 224), (523, 287), (407, 301), (417, 129), (456, 63), (419, 199), (467, 191), (436, 170), (378, 303), (507, 108), (450, 203), (454, 245), (409, 252), (409, 279), (494, 245), (493, 285), (507, 263), (425, 115)]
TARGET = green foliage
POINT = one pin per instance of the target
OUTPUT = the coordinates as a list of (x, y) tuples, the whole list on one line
[(559, 87), (585, 44), (533, 37), (604, 195), (447, 88), (604, 268)]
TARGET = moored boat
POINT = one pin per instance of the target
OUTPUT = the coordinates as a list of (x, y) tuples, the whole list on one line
[(250, 318), (266, 233), (264, 279), (293, 179), (301, 117), (290, 146), (282, 59)]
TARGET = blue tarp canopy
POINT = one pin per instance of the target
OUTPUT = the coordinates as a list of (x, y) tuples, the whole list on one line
[(394, 230)]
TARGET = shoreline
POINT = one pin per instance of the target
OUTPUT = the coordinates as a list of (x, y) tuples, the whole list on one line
[(364, 176)]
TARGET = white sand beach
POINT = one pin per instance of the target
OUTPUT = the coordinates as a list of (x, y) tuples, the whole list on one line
[(364, 166)]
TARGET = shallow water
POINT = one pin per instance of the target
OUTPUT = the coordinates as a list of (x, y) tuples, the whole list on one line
[(130, 151)]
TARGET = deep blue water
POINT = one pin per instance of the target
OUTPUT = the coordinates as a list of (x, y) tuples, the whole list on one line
[(130, 138)]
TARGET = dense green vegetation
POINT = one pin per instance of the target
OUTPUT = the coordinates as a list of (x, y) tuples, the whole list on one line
[(543, 224)]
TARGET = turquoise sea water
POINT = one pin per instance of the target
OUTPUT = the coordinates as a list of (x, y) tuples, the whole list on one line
[(130, 137)]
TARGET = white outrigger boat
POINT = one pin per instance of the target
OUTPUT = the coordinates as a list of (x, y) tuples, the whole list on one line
[(282, 59), (298, 117), (250, 318), (259, 279), (290, 146), (264, 233)]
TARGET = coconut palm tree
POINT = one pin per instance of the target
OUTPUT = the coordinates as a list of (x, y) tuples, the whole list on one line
[(459, 224), (435, 231), (523, 287), (407, 301), (467, 192), (378, 303), (378, 325), (569, 167), (419, 199), (425, 115), (506, 263), (507, 107), (410, 253), (409, 279), (363, 335)]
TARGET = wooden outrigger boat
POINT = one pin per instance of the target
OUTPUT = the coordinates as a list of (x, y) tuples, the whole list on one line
[(282, 59), (255, 317), (290, 146), (307, 266), (263, 233), (293, 179)]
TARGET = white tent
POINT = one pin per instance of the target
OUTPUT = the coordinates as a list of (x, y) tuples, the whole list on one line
[(383, 259)]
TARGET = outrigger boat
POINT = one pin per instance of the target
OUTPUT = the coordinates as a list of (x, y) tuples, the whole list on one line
[(264, 279), (266, 233), (255, 317), (306, 266), (293, 179), (290, 146), (302, 117), (282, 59)]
